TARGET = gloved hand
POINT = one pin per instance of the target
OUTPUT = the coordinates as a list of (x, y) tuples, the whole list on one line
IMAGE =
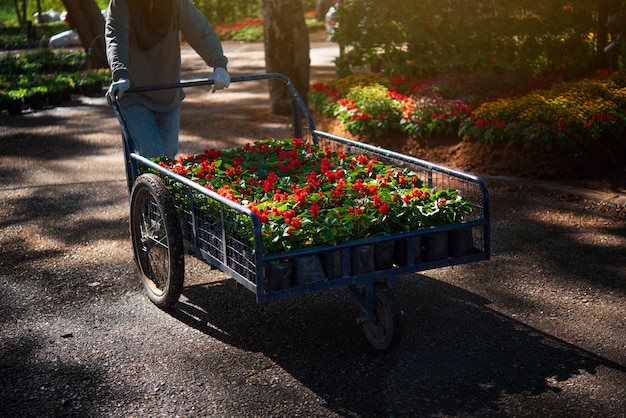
[(117, 89), (221, 79)]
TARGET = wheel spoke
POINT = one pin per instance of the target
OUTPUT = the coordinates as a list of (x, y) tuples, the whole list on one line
[(159, 267), (154, 244)]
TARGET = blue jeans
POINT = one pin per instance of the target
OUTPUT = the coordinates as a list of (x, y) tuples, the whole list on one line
[(154, 134)]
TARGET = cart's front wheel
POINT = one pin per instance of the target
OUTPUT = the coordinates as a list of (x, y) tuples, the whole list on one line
[(157, 240), (383, 331)]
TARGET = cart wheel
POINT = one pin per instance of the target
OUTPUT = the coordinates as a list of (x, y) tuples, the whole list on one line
[(384, 330), (157, 240)]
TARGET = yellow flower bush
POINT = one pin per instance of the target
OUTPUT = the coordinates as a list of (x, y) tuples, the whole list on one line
[(344, 84), (567, 115)]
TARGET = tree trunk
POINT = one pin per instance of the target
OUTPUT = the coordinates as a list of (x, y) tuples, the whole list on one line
[(21, 14), (39, 18), (607, 10), (88, 22), (286, 50)]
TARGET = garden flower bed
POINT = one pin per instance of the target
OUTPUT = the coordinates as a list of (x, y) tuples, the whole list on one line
[(560, 115), (306, 195)]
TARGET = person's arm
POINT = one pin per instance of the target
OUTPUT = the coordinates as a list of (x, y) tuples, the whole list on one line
[(116, 36), (199, 33)]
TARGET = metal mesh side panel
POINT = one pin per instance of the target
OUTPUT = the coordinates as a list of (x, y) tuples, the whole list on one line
[(221, 232), (432, 176)]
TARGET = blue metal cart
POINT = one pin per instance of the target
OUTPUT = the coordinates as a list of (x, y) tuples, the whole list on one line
[(162, 233)]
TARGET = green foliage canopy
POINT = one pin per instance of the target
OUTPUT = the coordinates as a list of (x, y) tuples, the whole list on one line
[(434, 36)]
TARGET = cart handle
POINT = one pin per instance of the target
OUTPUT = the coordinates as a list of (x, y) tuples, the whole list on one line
[(210, 82), (298, 101)]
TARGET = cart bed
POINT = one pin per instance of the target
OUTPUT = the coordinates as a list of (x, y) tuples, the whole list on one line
[(209, 236)]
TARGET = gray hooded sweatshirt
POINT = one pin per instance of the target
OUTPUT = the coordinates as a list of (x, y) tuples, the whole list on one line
[(143, 45)]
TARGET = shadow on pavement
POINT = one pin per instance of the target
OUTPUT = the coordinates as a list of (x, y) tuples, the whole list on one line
[(62, 382), (457, 356), (548, 240)]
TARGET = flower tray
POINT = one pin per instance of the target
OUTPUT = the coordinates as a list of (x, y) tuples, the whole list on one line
[(226, 227), (308, 197)]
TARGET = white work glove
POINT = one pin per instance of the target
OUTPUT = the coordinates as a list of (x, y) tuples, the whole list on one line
[(117, 89), (221, 79)]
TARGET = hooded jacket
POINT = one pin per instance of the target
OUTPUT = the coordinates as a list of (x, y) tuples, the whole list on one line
[(143, 45)]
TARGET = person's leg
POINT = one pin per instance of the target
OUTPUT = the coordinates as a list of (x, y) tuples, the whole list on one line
[(142, 128), (168, 124)]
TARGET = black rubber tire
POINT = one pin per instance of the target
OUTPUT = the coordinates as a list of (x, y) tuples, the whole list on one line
[(157, 240), (384, 331)]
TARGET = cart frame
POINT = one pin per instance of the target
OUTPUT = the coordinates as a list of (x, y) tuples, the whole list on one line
[(213, 241)]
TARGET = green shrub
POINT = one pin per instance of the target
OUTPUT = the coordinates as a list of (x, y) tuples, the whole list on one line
[(367, 106), (18, 93), (430, 37), (36, 72), (42, 61), (430, 116)]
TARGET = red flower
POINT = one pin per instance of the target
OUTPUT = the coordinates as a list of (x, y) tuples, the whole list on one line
[(339, 188), (300, 194), (295, 222), (231, 172), (313, 181), (358, 185), (333, 184), (319, 87), (280, 196), (260, 213), (377, 201), (180, 169), (227, 192), (268, 184), (212, 154), (315, 209)]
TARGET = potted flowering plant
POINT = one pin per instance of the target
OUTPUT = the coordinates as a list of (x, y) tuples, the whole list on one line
[(36, 96), (91, 81), (16, 98)]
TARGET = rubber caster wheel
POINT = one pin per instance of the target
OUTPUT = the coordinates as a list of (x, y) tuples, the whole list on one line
[(384, 330)]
